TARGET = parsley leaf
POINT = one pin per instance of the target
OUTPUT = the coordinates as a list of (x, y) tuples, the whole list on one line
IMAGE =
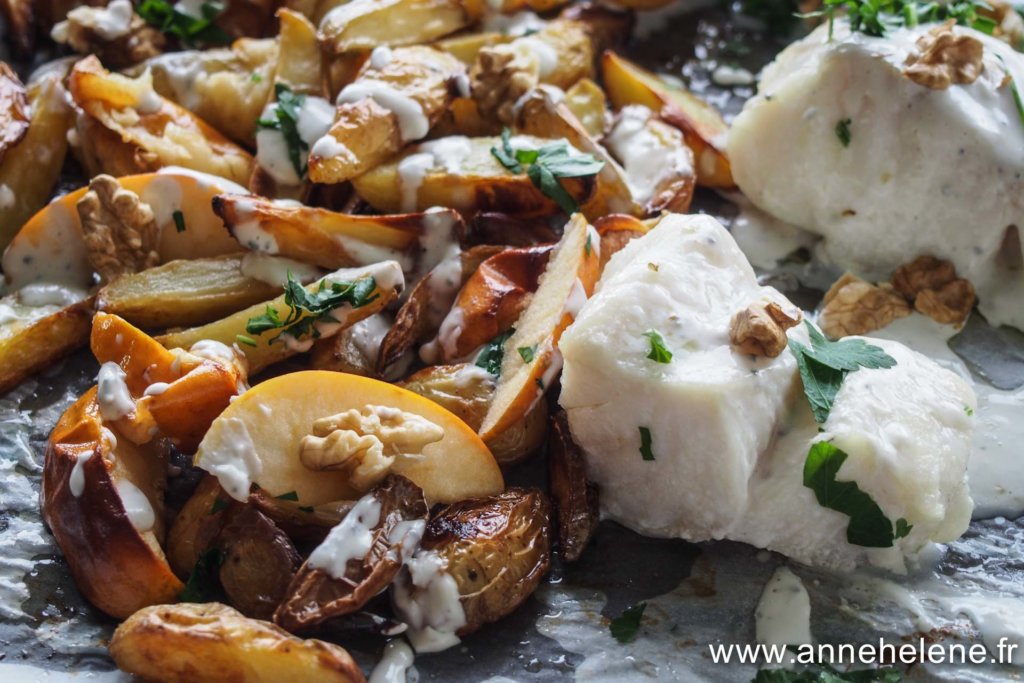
[(493, 353), (626, 626), (291, 495), (659, 352), (824, 366), (829, 675), (843, 132), (306, 309), (868, 527), (179, 221), (645, 444), (242, 339), (527, 353), (286, 120), (203, 583), (878, 17), (546, 165), (190, 30)]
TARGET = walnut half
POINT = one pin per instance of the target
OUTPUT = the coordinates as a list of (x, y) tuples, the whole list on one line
[(855, 306), (945, 58), (502, 75), (760, 329), (119, 228), (365, 443), (935, 290)]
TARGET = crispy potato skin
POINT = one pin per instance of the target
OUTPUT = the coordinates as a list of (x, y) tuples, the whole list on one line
[(25, 350), (114, 567), (195, 526), (497, 549), (575, 498), (259, 562), (13, 109), (212, 643)]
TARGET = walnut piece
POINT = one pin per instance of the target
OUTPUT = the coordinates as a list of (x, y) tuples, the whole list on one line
[(760, 329), (1009, 24), (945, 58), (115, 34), (933, 287), (119, 229), (365, 443), (855, 306), (501, 75)]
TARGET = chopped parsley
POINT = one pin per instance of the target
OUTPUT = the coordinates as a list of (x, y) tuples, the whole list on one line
[(843, 132), (878, 17), (256, 78), (203, 583), (190, 31), (868, 527), (540, 383), (493, 353), (626, 626), (969, 410), (546, 165), (659, 352), (291, 495), (588, 247), (1014, 90), (286, 120), (828, 675), (824, 366), (179, 221), (645, 444), (306, 309), (242, 339), (527, 353)]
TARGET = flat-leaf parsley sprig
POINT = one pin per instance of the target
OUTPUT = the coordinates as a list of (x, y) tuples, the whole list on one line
[(286, 120)]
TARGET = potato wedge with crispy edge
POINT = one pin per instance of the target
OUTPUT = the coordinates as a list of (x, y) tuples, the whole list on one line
[(480, 183), (575, 498), (465, 46), (569, 280), (126, 128), (327, 238), (365, 131), (196, 525), (44, 335), (390, 282), (42, 149), (617, 230), (300, 62), (497, 549), (118, 568), (14, 111), (50, 246), (365, 24), (456, 467), (212, 643), (704, 128), (587, 101), (227, 87), (183, 293)]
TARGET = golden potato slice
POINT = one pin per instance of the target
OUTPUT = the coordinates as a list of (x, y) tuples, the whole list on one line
[(395, 99), (300, 64), (103, 500), (38, 337), (14, 112), (575, 498), (705, 130), (365, 24), (587, 101), (262, 350), (183, 293), (531, 361), (618, 230), (212, 643), (128, 128), (278, 413), (478, 182), (466, 46)]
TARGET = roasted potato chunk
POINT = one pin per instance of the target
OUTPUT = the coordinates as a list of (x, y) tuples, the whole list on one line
[(588, 103), (212, 643), (38, 336), (196, 526), (497, 549), (316, 595), (365, 24), (575, 498)]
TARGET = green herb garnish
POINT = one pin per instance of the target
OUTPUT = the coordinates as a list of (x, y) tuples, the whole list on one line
[(878, 17), (256, 78), (286, 120), (179, 221), (645, 444), (626, 626), (527, 353), (868, 527), (1014, 90), (306, 309), (191, 31), (493, 353), (203, 583), (291, 495), (843, 132), (242, 339), (546, 165), (306, 508), (824, 366), (659, 351)]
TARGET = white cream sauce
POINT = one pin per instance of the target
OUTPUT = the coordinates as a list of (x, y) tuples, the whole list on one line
[(108, 23), (351, 539), (396, 665), (112, 395), (76, 480), (412, 122), (515, 25), (426, 598), (783, 615), (443, 154), (136, 506), (274, 270), (315, 117), (236, 464)]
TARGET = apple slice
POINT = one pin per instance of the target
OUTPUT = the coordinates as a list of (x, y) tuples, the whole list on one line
[(257, 439), (531, 360), (102, 498)]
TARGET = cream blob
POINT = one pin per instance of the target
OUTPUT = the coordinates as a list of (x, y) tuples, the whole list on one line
[(112, 395)]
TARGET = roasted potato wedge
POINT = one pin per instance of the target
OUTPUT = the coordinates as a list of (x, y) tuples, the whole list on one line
[(306, 525), (365, 24), (227, 87), (128, 128), (497, 549), (457, 466), (42, 148), (300, 62), (569, 280), (705, 130), (478, 183), (321, 590), (617, 230), (212, 643), (353, 350), (466, 46), (266, 348), (196, 526), (103, 500), (575, 498), (183, 293), (392, 102), (14, 112), (39, 336), (588, 103)]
